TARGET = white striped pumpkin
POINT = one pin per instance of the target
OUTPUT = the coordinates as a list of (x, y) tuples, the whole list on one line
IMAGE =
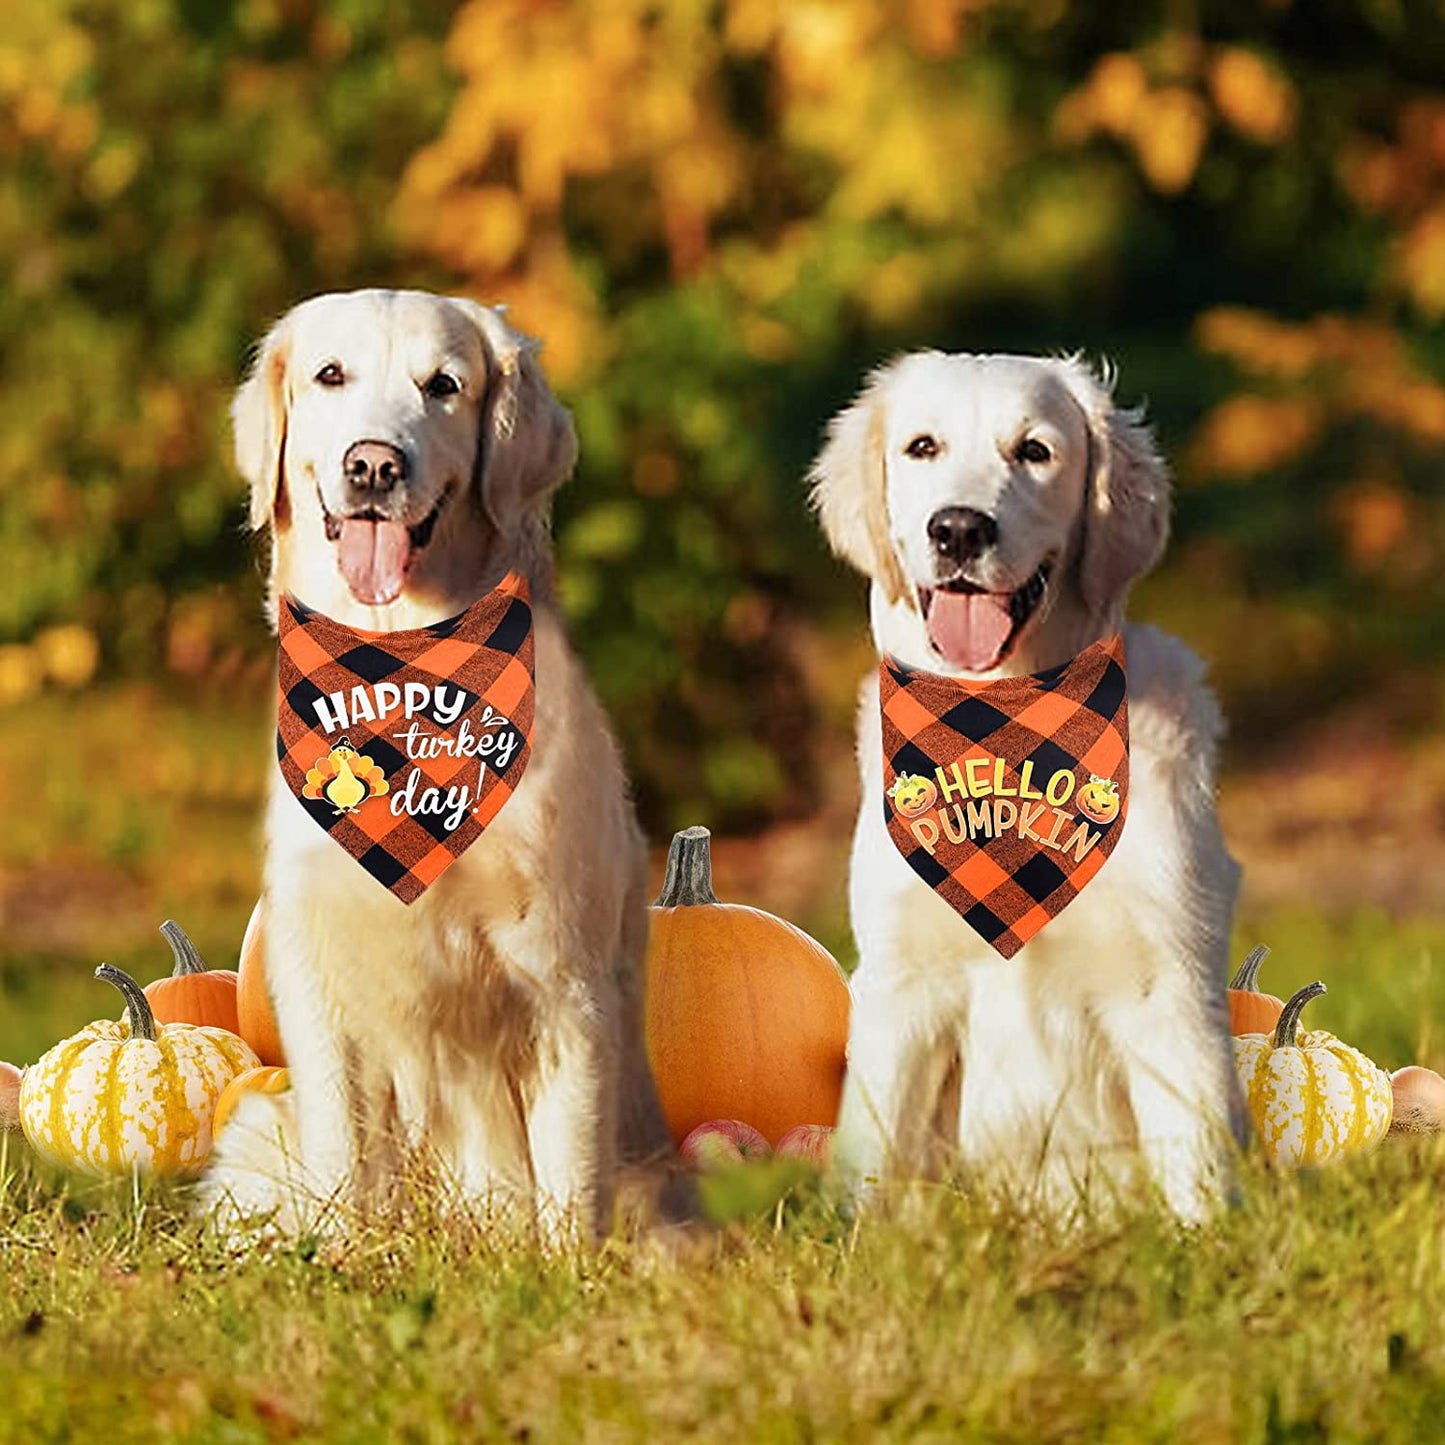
[(1312, 1098), (133, 1094)]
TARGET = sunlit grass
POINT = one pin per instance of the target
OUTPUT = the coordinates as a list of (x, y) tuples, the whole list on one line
[(1309, 1313)]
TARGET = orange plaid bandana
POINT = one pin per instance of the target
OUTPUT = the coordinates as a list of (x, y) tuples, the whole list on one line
[(1007, 797), (403, 746)]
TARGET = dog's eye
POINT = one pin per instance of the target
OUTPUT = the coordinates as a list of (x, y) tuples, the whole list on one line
[(331, 374), (922, 448), (442, 385), (1032, 452)]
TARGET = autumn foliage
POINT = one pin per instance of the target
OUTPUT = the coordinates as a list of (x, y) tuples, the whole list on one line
[(716, 217)]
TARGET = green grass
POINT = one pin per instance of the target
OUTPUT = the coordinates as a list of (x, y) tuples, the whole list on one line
[(1309, 1313)]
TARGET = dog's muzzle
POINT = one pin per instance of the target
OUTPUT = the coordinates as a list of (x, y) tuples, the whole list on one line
[(974, 629), (375, 551)]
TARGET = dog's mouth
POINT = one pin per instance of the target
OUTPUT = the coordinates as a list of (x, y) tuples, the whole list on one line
[(375, 552), (975, 629)]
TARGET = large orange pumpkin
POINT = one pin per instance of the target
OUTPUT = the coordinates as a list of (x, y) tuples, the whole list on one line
[(193, 994), (747, 1017), (253, 998), (1252, 1012)]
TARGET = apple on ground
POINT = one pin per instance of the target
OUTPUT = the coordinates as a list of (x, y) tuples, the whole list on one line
[(810, 1142), (721, 1143), (9, 1096), (1419, 1101)]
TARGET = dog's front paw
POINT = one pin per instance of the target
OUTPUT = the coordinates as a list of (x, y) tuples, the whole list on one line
[(255, 1188), (1194, 1183)]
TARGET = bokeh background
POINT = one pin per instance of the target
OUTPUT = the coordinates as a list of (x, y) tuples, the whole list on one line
[(718, 216)]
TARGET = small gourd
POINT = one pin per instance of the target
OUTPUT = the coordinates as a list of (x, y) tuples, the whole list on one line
[(130, 1095), (193, 993), (1312, 1098), (1250, 1011), (265, 1080)]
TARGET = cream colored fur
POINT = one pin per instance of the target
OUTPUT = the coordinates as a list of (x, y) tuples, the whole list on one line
[(490, 1031), (1098, 1058)]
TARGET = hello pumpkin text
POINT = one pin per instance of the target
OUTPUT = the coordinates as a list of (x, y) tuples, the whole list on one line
[(976, 801)]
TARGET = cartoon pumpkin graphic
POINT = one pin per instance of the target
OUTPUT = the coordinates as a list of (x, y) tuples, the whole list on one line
[(1098, 799), (345, 778), (912, 794)]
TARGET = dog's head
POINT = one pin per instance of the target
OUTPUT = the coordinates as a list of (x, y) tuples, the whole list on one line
[(980, 493), (382, 432)]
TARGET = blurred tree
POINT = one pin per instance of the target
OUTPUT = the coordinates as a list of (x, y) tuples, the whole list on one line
[(717, 216), (172, 174)]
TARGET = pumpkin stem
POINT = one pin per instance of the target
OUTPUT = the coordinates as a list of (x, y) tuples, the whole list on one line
[(1248, 976), (688, 880), (1286, 1032), (188, 958), (142, 1020)]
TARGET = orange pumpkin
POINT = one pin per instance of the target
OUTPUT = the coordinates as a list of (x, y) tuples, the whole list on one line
[(1252, 1012), (253, 999), (193, 994), (252, 1081), (747, 1017)]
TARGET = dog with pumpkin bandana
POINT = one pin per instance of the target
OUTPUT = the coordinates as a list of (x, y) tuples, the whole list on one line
[(1040, 892)]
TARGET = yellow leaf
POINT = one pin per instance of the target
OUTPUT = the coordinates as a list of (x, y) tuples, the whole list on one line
[(1251, 95), (1247, 435), (1374, 517), (1421, 262), (1168, 132), (1117, 90), (69, 654), (20, 672)]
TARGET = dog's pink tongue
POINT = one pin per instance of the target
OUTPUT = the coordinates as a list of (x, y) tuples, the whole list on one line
[(969, 628), (373, 559)]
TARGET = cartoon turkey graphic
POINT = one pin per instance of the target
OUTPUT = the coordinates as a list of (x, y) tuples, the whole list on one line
[(345, 778)]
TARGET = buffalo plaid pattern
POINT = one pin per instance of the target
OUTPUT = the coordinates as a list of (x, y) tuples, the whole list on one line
[(487, 651), (1074, 717)]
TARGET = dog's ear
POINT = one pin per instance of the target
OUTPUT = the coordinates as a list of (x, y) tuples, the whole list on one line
[(1126, 504), (526, 447), (258, 420), (849, 489)]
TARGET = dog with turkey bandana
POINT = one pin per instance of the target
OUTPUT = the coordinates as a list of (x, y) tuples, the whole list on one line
[(1040, 892), (455, 883)]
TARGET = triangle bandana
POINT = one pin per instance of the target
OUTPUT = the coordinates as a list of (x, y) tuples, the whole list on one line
[(1006, 797), (403, 746)]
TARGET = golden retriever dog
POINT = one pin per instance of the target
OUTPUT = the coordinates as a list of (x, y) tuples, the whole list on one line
[(1016, 490), (402, 448)]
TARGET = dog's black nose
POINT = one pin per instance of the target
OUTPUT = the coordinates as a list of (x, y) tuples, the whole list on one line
[(961, 533), (374, 466)]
